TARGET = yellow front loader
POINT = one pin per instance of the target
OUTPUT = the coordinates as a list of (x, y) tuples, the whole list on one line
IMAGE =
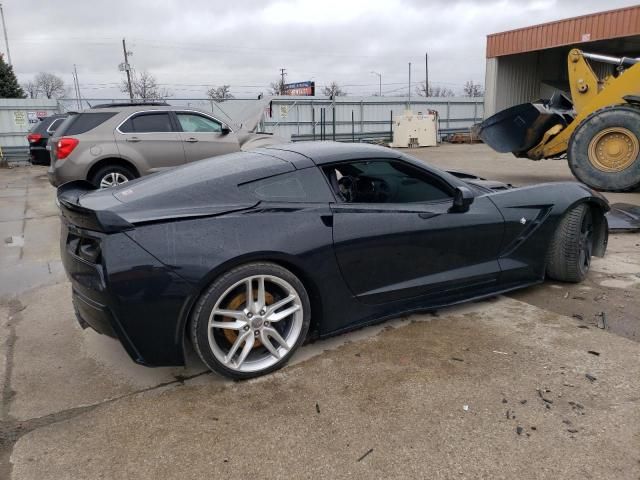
[(598, 129)]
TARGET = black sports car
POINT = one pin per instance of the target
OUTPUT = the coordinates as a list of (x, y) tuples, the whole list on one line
[(243, 255)]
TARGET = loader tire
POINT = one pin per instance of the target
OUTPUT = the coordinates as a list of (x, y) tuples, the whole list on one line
[(604, 150)]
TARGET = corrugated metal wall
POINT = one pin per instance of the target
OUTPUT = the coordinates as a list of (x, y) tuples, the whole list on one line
[(363, 118), (526, 77), (623, 22), (15, 116), (518, 80)]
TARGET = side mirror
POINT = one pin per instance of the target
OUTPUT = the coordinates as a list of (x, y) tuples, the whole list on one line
[(462, 199), (225, 130)]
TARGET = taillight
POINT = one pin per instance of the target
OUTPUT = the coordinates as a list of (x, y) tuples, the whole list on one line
[(65, 147), (34, 137)]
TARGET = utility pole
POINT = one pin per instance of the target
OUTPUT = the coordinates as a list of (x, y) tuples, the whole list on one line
[(380, 80), (6, 37), (283, 73), (409, 103), (76, 85), (426, 74), (127, 68)]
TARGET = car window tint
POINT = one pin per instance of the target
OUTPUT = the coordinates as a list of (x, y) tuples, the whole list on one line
[(306, 185), (83, 122), (190, 122), (385, 181), (148, 123)]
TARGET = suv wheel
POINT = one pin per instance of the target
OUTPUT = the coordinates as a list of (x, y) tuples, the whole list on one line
[(111, 176)]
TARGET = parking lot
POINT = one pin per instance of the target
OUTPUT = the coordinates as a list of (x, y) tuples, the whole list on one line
[(542, 383)]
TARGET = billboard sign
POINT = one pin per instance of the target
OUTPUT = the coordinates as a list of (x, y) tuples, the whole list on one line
[(304, 89)]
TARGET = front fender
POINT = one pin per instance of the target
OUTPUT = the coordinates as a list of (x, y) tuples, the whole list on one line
[(531, 215)]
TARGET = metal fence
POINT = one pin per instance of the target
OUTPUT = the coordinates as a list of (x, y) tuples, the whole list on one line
[(363, 118), (314, 118), (17, 116)]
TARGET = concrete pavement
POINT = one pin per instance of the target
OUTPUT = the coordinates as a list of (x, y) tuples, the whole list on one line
[(386, 401)]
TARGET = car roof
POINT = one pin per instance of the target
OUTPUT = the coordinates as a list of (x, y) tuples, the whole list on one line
[(322, 153), (143, 108)]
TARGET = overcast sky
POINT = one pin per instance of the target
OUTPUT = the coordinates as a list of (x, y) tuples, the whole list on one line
[(190, 45)]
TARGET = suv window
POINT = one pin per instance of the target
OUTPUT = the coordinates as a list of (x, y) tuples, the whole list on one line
[(191, 122), (54, 125), (83, 122), (385, 181), (148, 123)]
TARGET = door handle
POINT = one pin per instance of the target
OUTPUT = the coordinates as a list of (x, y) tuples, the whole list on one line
[(191, 140), (132, 139), (427, 215)]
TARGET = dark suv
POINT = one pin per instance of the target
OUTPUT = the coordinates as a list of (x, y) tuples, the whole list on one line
[(39, 136), (113, 144)]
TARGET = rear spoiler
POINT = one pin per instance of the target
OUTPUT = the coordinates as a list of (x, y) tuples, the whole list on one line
[(68, 199)]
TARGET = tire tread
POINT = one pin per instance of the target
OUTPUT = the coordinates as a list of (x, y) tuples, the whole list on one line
[(576, 137), (563, 256)]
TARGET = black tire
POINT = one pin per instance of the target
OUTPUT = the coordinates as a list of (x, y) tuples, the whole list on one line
[(620, 116), (569, 255), (107, 170), (199, 322)]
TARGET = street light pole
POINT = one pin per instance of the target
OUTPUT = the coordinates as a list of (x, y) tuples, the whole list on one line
[(6, 38), (380, 79)]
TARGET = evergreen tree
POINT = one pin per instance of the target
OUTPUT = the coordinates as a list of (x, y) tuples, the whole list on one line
[(9, 86)]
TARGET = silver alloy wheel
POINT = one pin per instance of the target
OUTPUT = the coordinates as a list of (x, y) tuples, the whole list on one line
[(112, 179), (276, 326)]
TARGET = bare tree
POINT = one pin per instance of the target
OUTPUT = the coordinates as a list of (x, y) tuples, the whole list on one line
[(472, 89), (333, 90), (220, 94), (277, 87), (31, 89), (145, 87), (49, 85), (433, 91)]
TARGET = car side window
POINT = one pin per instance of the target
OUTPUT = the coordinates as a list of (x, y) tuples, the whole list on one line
[(155, 122), (385, 181), (190, 122), (306, 185), (54, 125)]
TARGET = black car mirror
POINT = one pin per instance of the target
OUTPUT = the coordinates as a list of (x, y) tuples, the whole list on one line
[(225, 130), (462, 199)]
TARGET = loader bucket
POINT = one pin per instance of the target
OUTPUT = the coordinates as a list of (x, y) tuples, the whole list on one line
[(520, 128)]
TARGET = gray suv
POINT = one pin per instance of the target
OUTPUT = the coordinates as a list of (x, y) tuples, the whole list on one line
[(112, 144)]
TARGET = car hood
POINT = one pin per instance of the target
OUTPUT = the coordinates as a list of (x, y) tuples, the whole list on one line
[(483, 183)]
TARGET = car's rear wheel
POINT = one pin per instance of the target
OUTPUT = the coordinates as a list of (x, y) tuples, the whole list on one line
[(250, 320), (111, 176), (569, 256)]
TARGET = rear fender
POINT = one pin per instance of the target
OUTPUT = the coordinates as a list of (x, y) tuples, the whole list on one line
[(282, 259), (68, 199)]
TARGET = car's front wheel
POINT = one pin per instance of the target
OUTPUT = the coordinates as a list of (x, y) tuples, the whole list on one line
[(569, 256), (111, 176), (250, 320)]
